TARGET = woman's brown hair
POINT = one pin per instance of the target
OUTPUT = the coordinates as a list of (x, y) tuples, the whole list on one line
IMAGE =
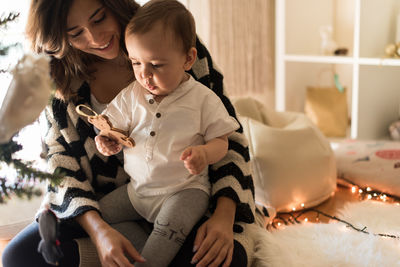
[(46, 30)]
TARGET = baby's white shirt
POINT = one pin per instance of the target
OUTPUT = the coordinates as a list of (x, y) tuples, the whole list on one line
[(191, 115)]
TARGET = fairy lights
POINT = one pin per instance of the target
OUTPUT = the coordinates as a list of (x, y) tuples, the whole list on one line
[(372, 194), (294, 219), (362, 193)]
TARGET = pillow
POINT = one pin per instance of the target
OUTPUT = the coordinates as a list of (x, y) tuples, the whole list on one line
[(369, 163), (293, 163)]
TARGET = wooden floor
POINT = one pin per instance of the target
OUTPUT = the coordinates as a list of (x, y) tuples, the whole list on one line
[(330, 207), (2, 246), (342, 196)]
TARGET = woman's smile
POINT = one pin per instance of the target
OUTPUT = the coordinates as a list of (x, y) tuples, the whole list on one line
[(108, 46)]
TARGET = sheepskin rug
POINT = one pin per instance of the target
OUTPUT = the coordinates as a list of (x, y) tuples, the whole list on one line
[(335, 244)]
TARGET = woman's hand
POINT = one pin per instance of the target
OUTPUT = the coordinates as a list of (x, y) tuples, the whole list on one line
[(111, 245), (214, 239)]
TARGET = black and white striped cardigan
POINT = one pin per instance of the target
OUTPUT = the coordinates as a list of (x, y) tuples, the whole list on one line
[(89, 175)]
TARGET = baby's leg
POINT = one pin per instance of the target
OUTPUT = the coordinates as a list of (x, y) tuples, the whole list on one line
[(178, 214), (116, 207)]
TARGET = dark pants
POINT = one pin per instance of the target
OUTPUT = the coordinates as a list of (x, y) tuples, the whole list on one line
[(22, 249)]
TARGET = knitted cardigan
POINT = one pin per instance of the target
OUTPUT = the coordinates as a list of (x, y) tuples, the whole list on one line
[(89, 175)]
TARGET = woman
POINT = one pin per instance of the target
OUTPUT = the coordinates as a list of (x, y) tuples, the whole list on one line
[(89, 67)]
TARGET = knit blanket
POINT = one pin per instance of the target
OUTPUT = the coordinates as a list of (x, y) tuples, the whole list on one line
[(336, 243)]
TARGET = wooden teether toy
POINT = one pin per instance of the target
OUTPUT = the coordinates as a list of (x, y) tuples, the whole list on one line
[(106, 128)]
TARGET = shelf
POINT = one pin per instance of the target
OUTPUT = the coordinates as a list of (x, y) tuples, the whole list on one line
[(342, 60), (364, 27), (319, 59), (379, 61)]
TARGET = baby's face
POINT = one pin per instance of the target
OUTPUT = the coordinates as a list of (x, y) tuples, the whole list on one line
[(158, 60)]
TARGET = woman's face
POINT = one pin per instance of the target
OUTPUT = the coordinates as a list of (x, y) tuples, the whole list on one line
[(93, 29)]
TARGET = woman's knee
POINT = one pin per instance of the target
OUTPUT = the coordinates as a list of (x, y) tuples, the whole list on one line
[(10, 254), (22, 248)]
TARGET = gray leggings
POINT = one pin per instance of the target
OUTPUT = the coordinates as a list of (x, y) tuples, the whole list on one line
[(177, 216)]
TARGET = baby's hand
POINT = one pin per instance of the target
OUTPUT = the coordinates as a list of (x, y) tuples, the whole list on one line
[(195, 159), (107, 146)]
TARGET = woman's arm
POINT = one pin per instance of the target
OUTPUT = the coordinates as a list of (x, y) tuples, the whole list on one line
[(232, 184), (75, 194), (214, 239), (230, 177)]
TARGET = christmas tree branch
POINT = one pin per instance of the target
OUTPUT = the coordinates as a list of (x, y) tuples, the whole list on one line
[(23, 179), (11, 17), (27, 176), (4, 20), (19, 188)]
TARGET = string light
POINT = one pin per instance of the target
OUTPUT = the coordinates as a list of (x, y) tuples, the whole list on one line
[(294, 219), (363, 193), (371, 194)]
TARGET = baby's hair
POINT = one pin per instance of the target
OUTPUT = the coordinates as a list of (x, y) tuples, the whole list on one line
[(173, 15)]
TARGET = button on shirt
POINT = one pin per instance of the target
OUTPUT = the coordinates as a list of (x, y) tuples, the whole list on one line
[(191, 115)]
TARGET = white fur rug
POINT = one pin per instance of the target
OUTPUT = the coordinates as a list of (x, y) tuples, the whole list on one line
[(335, 244)]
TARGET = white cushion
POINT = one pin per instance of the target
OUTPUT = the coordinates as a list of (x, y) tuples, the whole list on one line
[(369, 163), (292, 161)]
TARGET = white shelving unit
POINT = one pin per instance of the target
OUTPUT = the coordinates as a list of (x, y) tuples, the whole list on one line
[(364, 27)]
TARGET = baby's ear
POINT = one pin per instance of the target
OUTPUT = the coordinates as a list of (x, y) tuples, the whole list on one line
[(190, 58)]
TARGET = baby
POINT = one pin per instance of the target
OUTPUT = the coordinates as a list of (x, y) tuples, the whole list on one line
[(179, 127)]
